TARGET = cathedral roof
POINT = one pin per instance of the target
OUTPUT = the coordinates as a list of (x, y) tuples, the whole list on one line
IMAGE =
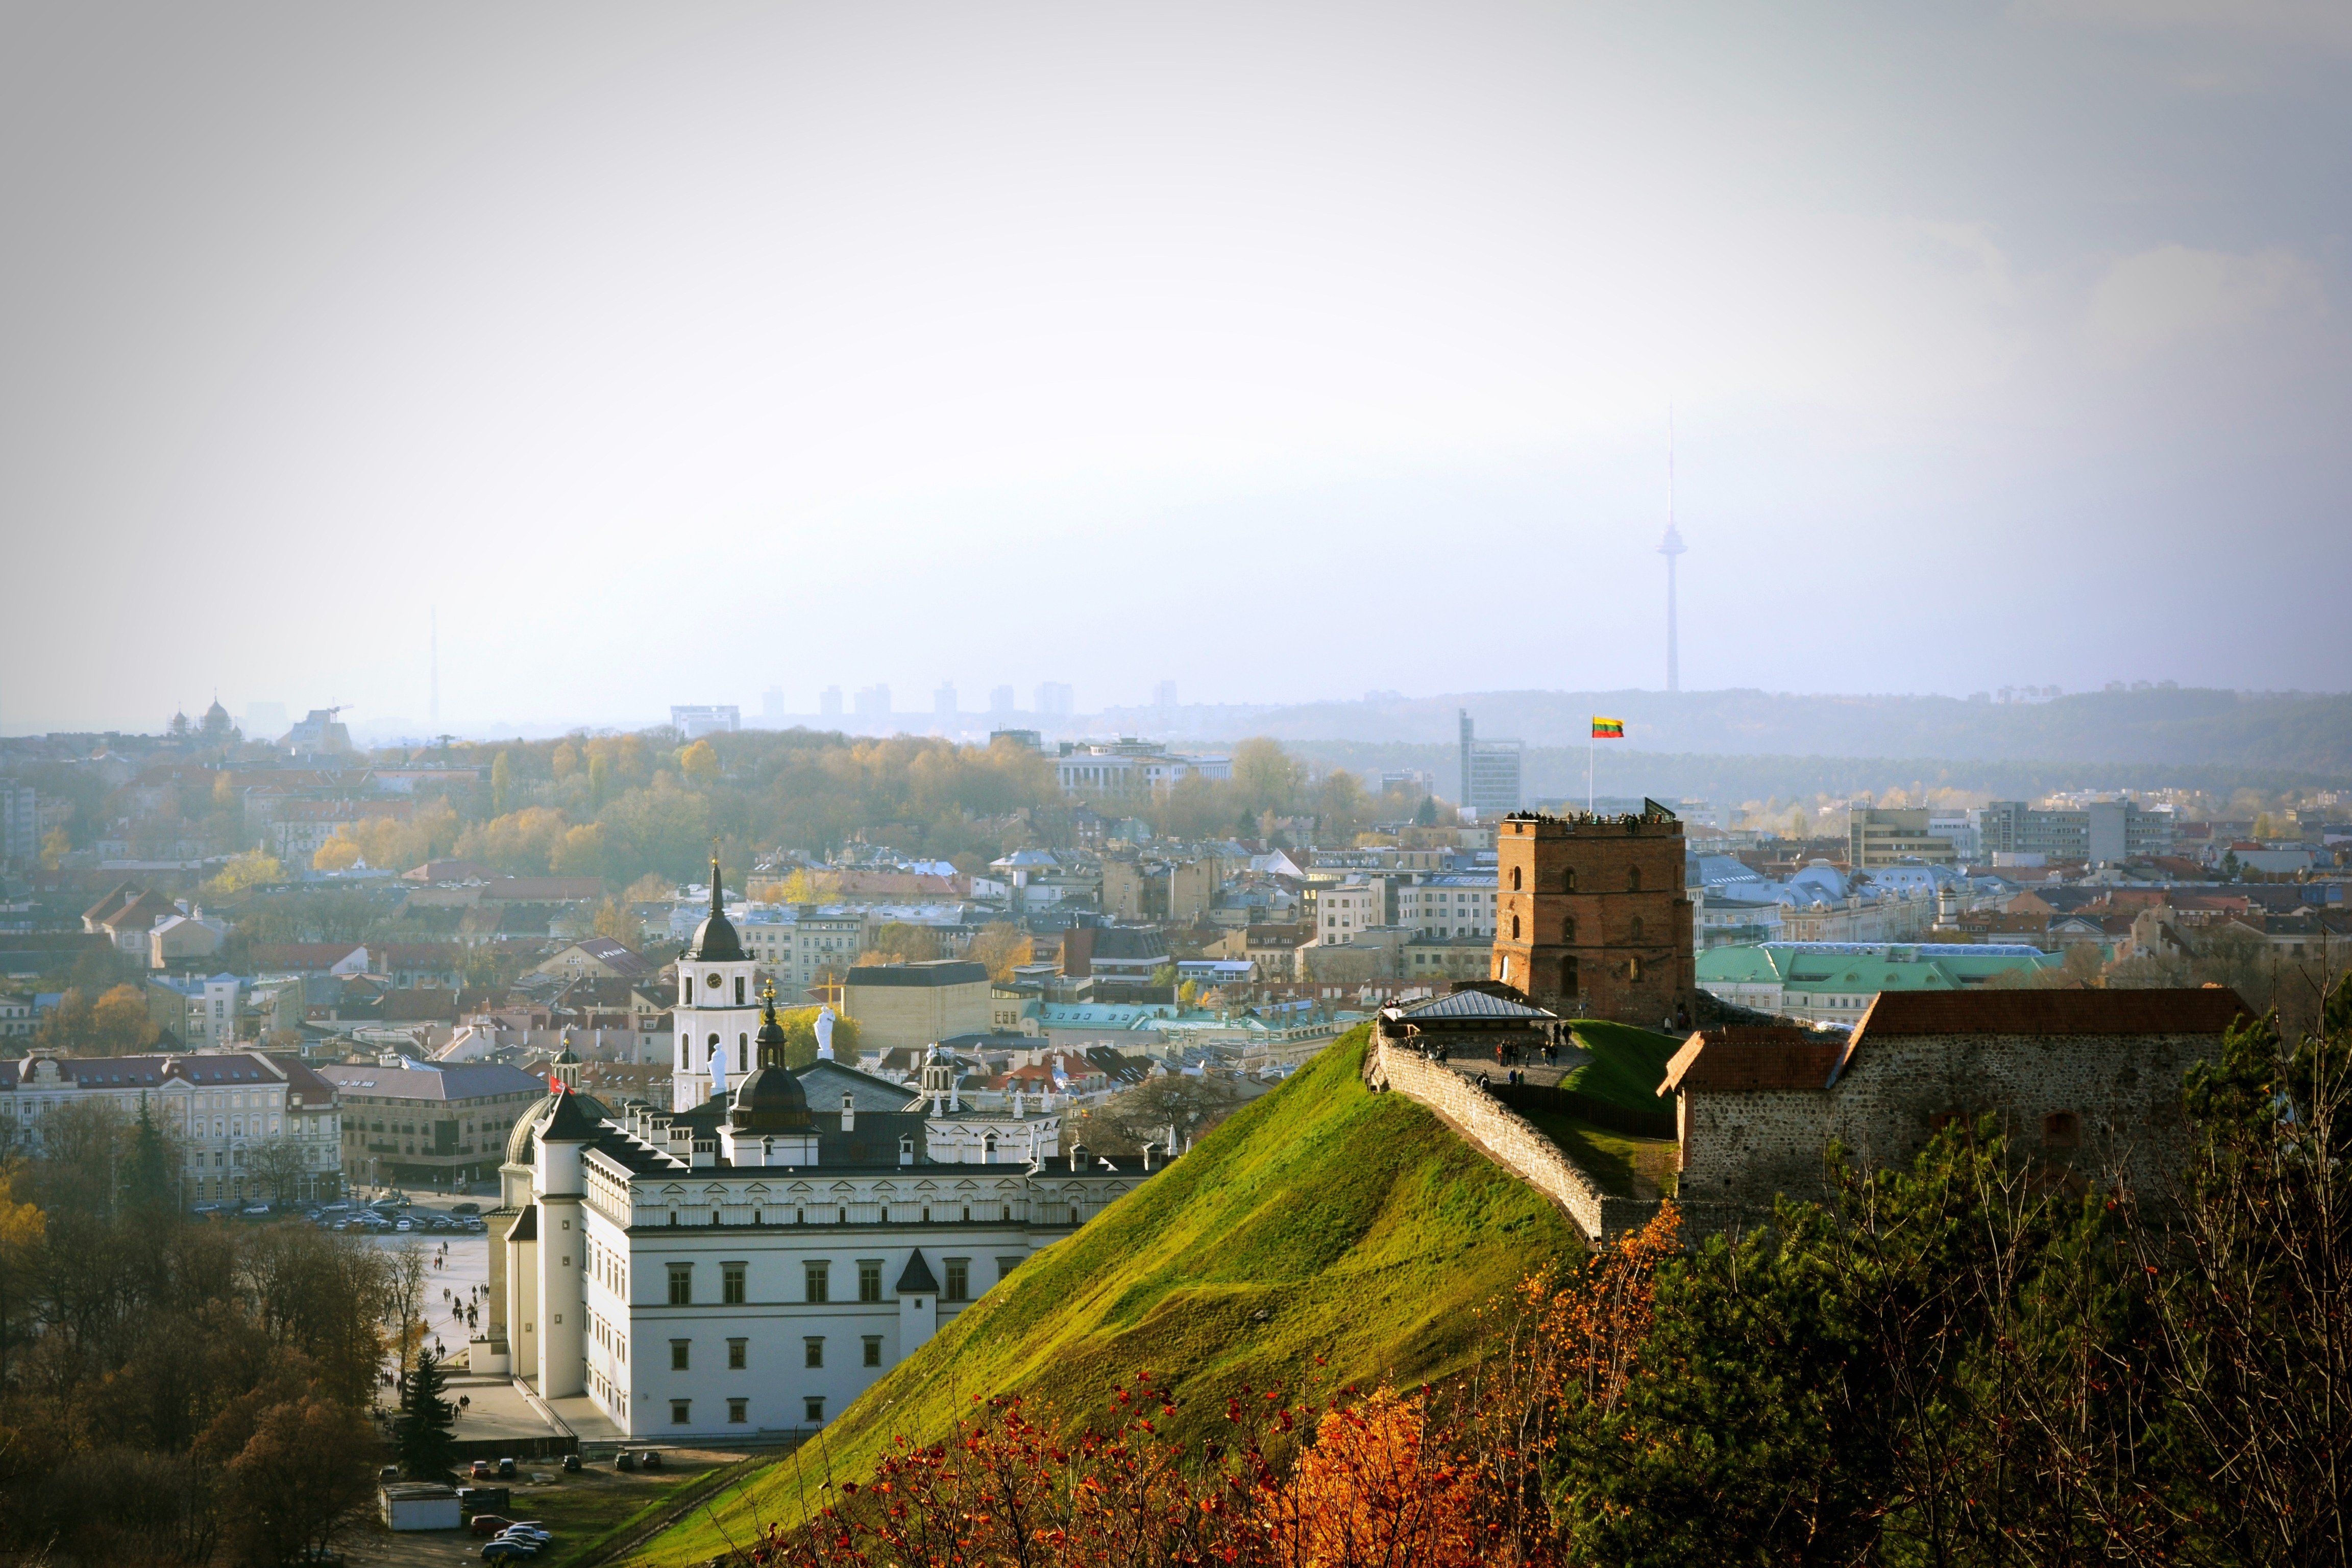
[(519, 1150), (570, 1121)]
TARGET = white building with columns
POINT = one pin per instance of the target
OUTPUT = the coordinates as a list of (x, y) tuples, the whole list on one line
[(743, 1263)]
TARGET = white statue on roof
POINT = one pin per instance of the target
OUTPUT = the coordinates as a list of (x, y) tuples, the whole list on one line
[(824, 1034)]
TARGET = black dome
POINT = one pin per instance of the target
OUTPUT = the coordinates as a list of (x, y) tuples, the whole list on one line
[(715, 941), (770, 1101)]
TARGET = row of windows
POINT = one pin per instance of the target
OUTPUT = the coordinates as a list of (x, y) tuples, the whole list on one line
[(1634, 930), (738, 1412), (841, 1211), (686, 982), (816, 1280), (738, 1353), (1568, 880)]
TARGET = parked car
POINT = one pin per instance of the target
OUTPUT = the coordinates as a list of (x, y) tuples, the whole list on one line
[(487, 1523), (528, 1530), (505, 1470), (389, 1473), (652, 1460), (625, 1460), (405, 1225), (481, 1469), (571, 1464), (505, 1551), (466, 1208)]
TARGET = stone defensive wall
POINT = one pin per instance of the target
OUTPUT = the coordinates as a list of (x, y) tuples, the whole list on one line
[(1512, 1143)]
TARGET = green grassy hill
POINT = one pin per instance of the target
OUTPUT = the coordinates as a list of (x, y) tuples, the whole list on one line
[(1357, 1225), (1627, 1066)]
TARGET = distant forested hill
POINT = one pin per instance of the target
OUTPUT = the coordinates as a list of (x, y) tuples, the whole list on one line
[(2295, 734)]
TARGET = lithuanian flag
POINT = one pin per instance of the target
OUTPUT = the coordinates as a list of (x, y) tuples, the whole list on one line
[(1608, 729)]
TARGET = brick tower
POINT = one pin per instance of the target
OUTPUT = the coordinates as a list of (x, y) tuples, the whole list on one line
[(1590, 918)]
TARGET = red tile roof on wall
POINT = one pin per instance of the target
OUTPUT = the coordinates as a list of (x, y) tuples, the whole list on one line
[(1738, 1061), (2188, 1011)]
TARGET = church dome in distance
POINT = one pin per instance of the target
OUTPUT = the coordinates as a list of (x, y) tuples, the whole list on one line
[(715, 941)]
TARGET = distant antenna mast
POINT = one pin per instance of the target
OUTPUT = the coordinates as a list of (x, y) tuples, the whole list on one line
[(433, 699), (1672, 547)]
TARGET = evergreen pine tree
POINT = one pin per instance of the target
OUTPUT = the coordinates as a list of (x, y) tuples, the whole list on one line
[(421, 1433), (148, 1183)]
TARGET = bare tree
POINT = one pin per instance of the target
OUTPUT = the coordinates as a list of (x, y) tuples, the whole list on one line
[(404, 1301), (278, 1165)]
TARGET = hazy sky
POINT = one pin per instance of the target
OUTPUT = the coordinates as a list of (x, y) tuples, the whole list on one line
[(676, 352)]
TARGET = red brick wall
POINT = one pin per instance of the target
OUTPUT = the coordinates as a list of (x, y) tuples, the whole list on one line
[(1605, 892)]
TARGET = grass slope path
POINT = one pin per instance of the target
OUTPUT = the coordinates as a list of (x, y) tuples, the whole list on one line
[(1627, 1066), (1321, 1219)]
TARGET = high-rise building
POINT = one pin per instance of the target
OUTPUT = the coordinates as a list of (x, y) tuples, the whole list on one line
[(1490, 773), (1002, 700), (2101, 832), (20, 825), (1878, 838), (943, 700), (872, 702), (1163, 696), (695, 721), (772, 710), (828, 705), (1055, 697)]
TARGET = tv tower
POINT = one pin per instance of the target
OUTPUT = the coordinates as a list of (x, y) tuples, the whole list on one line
[(1672, 547)]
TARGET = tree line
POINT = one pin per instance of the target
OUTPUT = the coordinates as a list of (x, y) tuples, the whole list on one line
[(174, 1390), (628, 807)]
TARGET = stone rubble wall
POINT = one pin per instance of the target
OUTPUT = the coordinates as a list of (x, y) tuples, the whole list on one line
[(1514, 1143)]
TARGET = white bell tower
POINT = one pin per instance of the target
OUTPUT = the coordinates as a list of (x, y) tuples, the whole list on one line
[(718, 1010)]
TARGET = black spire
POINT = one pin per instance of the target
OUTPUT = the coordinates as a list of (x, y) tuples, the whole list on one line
[(715, 938), (770, 1037)]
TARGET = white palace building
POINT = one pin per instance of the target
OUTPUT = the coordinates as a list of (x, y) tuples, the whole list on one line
[(751, 1260)]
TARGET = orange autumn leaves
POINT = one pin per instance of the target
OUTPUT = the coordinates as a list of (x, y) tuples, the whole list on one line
[(1420, 1478)]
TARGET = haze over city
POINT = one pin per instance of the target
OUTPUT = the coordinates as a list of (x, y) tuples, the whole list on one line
[(1470, 785), (674, 355)]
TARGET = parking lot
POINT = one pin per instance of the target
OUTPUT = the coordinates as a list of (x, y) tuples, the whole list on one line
[(584, 1512)]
